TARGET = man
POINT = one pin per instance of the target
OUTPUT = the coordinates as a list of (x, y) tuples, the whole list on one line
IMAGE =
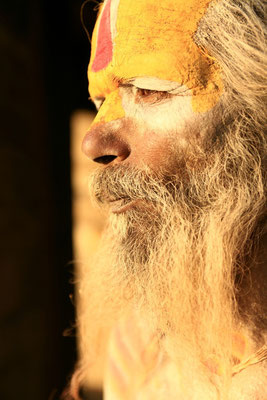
[(179, 138)]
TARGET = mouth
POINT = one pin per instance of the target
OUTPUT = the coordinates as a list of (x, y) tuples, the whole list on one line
[(120, 206)]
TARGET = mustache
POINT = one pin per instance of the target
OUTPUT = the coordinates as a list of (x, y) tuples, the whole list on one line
[(124, 182)]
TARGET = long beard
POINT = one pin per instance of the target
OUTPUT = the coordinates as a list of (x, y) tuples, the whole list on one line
[(175, 256)]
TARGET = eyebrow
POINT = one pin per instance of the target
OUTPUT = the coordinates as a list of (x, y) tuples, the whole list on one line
[(153, 83)]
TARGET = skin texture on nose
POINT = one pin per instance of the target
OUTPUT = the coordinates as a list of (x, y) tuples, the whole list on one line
[(155, 39)]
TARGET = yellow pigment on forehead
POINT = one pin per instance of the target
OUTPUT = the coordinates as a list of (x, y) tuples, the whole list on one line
[(156, 38)]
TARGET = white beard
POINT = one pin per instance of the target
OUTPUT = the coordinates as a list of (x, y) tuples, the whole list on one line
[(175, 257)]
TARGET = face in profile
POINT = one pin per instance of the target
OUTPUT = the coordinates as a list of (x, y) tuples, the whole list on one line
[(175, 175), (155, 96), (159, 99)]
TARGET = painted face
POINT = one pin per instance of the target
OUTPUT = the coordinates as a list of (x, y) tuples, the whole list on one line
[(145, 66), (152, 39)]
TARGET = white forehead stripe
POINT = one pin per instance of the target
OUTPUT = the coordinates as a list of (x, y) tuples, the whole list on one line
[(114, 5), (113, 17)]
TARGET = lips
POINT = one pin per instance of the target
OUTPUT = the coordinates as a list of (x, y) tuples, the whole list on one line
[(120, 206)]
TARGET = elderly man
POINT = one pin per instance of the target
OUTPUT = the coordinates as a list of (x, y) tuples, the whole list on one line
[(179, 137)]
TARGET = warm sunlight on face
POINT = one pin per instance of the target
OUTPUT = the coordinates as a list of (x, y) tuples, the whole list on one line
[(180, 171), (144, 39), (154, 88)]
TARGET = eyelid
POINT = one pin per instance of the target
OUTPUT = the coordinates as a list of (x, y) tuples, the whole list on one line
[(130, 84), (154, 84), (179, 90)]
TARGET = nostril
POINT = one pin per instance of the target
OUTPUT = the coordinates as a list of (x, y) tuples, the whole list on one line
[(104, 146), (105, 159)]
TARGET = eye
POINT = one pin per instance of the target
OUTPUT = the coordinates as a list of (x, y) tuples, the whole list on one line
[(146, 92), (150, 96)]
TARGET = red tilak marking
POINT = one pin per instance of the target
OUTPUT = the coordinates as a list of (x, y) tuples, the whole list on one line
[(104, 47)]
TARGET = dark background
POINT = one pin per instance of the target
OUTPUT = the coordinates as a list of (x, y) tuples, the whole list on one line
[(44, 57)]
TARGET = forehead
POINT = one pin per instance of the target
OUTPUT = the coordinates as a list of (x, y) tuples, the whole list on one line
[(150, 38)]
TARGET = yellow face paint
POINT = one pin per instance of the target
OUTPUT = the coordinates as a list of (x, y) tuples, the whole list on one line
[(146, 38), (111, 108)]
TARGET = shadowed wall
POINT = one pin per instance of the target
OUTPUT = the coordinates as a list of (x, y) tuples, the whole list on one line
[(44, 54)]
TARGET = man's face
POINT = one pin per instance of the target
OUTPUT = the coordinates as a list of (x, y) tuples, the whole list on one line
[(180, 171), (155, 90)]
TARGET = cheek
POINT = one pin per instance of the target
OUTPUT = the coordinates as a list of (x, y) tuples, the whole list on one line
[(153, 145), (154, 149), (166, 132), (170, 120)]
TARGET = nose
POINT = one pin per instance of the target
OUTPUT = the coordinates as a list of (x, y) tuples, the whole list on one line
[(105, 146)]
